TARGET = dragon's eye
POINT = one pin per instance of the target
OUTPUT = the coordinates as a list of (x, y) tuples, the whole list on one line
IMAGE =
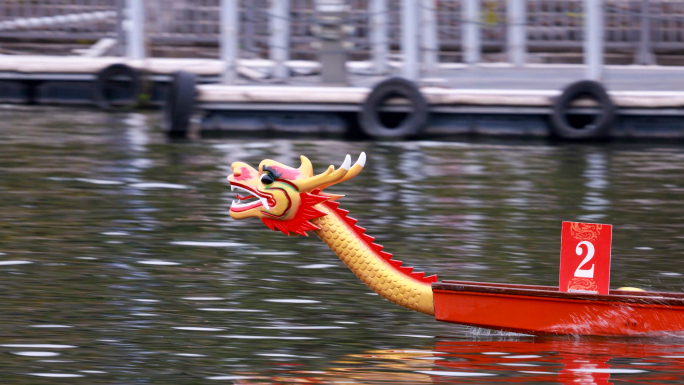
[(266, 179)]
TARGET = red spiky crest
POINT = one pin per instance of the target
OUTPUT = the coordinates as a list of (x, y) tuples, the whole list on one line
[(376, 248), (301, 223)]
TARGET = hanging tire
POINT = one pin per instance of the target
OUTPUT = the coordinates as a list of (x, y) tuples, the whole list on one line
[(117, 84), (369, 117), (598, 127), (180, 103)]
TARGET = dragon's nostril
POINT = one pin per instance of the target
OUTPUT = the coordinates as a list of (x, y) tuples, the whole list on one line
[(237, 172)]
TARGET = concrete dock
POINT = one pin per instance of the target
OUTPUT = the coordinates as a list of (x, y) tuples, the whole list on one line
[(485, 99), (450, 75), (530, 86), (462, 98)]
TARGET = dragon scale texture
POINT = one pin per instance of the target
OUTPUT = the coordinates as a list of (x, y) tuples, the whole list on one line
[(372, 266)]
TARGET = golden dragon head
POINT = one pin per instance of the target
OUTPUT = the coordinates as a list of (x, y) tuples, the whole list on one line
[(284, 197)]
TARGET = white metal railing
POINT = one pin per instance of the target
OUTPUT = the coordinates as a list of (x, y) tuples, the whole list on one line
[(48, 21), (417, 36), (422, 33), (549, 24), (54, 19)]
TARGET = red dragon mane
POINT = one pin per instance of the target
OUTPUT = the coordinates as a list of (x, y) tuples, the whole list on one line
[(301, 223)]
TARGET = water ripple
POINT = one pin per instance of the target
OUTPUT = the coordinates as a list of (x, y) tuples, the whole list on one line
[(199, 329), (36, 354), (251, 337), (208, 244), (204, 298), (294, 300), (158, 262), (153, 185), (14, 262), (454, 374), (38, 346), (612, 371)]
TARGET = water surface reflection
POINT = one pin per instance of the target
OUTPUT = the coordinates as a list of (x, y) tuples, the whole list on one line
[(120, 263), (509, 361)]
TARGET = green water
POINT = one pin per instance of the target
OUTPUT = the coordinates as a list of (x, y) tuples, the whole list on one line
[(119, 254)]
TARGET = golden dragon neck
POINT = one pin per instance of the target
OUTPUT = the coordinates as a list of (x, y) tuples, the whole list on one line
[(373, 266)]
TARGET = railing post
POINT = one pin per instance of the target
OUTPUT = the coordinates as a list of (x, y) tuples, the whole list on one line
[(250, 19), (135, 42), (645, 54), (471, 31), (409, 39), (429, 36), (229, 39), (119, 50), (279, 41), (593, 38), (516, 32), (330, 19), (378, 34)]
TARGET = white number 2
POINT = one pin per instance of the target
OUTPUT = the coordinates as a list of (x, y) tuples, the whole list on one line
[(590, 254)]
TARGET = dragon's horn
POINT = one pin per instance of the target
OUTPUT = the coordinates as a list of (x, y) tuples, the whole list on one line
[(306, 168), (353, 171), (330, 176)]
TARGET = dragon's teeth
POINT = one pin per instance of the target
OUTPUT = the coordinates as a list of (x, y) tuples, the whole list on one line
[(264, 202), (232, 187)]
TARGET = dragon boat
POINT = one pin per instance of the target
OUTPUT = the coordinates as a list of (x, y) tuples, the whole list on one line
[(292, 200)]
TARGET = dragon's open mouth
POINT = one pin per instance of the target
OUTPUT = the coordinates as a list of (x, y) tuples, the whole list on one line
[(238, 206)]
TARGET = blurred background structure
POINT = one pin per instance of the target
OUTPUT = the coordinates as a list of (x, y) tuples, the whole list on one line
[(519, 45), (636, 31)]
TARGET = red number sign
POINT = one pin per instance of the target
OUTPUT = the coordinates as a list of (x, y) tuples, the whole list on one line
[(585, 258)]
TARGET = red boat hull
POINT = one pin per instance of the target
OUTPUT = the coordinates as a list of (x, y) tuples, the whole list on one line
[(542, 310)]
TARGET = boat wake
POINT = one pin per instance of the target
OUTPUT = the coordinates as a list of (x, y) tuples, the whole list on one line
[(481, 332)]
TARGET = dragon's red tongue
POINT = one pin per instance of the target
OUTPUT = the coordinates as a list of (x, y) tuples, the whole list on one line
[(240, 197)]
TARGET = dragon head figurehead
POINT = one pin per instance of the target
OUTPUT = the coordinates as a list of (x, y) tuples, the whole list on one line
[(292, 200), (284, 197)]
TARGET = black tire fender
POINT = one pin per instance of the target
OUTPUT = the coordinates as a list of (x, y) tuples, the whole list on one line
[(369, 119), (598, 128), (106, 75), (180, 103)]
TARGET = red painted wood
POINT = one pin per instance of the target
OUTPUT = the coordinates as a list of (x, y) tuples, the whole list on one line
[(523, 309), (555, 289)]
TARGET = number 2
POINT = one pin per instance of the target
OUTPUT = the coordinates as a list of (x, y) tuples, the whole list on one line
[(590, 254)]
